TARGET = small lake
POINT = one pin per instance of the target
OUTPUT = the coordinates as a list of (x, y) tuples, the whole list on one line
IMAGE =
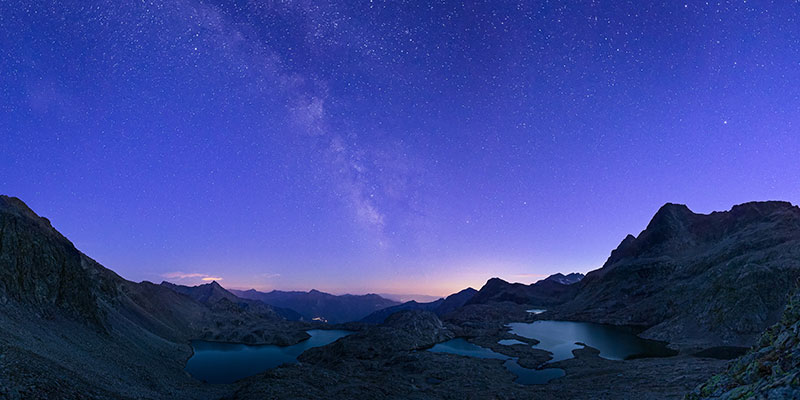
[(216, 362), (525, 376), (614, 343), (510, 342)]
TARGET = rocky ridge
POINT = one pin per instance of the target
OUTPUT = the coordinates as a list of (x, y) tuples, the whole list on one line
[(697, 280), (553, 290)]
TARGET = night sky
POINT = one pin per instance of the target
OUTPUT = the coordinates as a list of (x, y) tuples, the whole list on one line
[(403, 147)]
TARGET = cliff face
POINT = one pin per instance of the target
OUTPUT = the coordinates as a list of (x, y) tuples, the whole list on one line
[(697, 280), (771, 370), (41, 268)]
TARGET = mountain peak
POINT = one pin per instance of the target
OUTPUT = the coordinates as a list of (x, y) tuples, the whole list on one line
[(671, 212), (568, 279)]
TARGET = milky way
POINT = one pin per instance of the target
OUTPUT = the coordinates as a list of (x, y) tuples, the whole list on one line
[(389, 146)]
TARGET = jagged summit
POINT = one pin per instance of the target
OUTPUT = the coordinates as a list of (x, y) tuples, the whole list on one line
[(554, 289), (675, 226), (687, 275), (14, 206), (568, 279)]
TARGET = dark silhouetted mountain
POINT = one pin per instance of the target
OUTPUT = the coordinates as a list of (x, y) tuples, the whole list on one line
[(574, 277), (212, 293), (694, 279), (555, 289), (41, 268), (70, 328), (320, 305), (439, 307)]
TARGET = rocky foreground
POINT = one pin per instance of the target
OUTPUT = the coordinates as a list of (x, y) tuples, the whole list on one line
[(390, 362), (771, 370)]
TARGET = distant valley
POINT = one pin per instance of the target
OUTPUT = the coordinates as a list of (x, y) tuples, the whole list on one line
[(316, 305)]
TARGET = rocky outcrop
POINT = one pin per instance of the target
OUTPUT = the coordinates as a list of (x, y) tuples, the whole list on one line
[(401, 332), (697, 280), (771, 370), (547, 292)]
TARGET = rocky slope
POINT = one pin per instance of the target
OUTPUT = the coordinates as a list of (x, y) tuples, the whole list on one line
[(439, 307), (315, 304), (771, 370), (555, 289), (70, 328), (697, 280)]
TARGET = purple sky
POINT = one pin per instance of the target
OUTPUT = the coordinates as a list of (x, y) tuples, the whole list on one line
[(401, 147)]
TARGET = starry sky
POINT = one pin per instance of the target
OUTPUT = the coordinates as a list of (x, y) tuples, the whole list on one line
[(389, 146)]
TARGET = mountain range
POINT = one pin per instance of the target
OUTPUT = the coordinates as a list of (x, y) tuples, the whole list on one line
[(555, 289), (321, 306), (71, 328), (212, 293), (439, 307)]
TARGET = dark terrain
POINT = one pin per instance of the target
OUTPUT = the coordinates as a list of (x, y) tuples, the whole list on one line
[(697, 280), (548, 292), (70, 328), (439, 307), (316, 304)]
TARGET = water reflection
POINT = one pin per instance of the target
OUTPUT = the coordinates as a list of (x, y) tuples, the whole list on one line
[(510, 342), (614, 343), (216, 362), (524, 375)]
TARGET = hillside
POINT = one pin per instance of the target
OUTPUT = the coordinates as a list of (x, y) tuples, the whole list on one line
[(70, 328), (697, 280)]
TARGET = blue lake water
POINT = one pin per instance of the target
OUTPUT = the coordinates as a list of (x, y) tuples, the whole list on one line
[(614, 343), (525, 376), (216, 362), (510, 342)]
